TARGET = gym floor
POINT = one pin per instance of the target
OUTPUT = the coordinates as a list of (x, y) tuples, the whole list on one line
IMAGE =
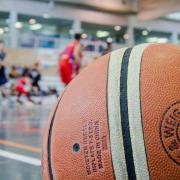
[(21, 132)]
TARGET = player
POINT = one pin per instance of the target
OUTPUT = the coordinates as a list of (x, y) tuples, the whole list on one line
[(3, 78), (70, 60), (23, 87)]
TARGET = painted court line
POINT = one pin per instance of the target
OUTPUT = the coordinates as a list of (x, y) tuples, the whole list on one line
[(21, 158), (20, 146)]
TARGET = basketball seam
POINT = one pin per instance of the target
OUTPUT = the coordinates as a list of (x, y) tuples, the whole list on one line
[(107, 81), (49, 140), (142, 116)]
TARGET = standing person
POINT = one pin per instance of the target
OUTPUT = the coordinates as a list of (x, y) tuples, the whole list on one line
[(70, 60), (35, 76), (13, 76), (13, 73), (108, 48), (3, 78)]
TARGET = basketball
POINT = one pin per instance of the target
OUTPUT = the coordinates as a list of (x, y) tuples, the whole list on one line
[(118, 119)]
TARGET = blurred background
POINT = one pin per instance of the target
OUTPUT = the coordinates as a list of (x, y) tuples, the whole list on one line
[(36, 36)]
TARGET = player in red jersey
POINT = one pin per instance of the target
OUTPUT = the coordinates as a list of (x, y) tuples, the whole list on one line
[(70, 60)]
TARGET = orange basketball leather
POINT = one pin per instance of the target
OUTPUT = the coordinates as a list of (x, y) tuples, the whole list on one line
[(118, 119), (73, 117), (160, 88)]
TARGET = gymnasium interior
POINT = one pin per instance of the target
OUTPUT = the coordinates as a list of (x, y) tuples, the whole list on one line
[(34, 33)]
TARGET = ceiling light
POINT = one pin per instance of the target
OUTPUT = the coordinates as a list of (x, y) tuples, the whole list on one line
[(157, 40), (162, 40), (1, 31), (109, 40), (174, 16), (32, 21), (152, 39), (84, 35), (18, 25), (35, 27), (117, 28), (145, 32), (126, 36), (101, 34)]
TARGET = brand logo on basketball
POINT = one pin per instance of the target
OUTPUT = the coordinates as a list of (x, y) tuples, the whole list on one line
[(170, 132)]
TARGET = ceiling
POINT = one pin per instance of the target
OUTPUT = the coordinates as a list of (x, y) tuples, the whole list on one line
[(114, 6), (174, 16), (145, 9), (151, 9)]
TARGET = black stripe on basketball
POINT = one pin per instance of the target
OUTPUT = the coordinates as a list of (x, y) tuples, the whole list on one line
[(141, 114), (49, 142), (125, 116)]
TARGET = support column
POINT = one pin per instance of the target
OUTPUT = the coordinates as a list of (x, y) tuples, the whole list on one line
[(130, 32), (174, 38), (76, 26), (13, 18)]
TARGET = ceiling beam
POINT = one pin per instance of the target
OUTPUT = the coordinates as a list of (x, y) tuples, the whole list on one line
[(153, 9)]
